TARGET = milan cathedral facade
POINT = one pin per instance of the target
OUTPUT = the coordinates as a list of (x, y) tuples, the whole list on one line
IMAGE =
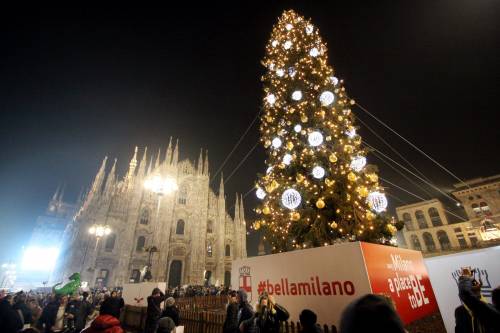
[(195, 237)]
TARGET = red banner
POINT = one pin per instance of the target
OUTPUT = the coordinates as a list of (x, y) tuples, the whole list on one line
[(400, 274)]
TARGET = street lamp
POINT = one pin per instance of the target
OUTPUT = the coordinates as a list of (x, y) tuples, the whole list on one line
[(99, 231)]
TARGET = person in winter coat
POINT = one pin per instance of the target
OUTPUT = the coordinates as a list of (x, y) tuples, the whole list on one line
[(10, 322), (113, 305), (231, 321), (370, 313), (53, 314), (104, 323), (171, 311), (23, 309), (266, 318), (245, 310), (308, 321), (165, 325), (484, 317), (153, 310)]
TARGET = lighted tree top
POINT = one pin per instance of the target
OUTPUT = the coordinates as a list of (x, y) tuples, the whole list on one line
[(318, 188)]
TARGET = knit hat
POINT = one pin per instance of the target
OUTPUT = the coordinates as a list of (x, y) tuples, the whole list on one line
[(170, 301)]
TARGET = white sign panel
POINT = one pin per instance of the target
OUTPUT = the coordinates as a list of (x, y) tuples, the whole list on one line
[(137, 293), (444, 271), (323, 279)]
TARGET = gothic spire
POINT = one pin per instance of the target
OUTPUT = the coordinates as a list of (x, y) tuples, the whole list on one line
[(168, 154), (142, 165), (237, 209), (205, 166), (99, 178), (110, 182), (61, 195), (221, 186), (81, 196), (200, 163), (150, 165), (242, 210), (157, 163), (175, 157), (132, 166), (56, 194)]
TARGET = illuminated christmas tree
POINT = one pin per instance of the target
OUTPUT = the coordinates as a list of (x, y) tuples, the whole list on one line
[(317, 188)]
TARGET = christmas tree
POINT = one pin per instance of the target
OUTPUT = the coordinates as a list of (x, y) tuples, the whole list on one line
[(317, 189)]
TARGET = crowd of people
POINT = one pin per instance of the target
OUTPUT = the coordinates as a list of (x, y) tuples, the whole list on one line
[(99, 312)]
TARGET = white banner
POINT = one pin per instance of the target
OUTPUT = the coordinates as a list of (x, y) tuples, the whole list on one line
[(444, 272), (323, 279), (137, 293)]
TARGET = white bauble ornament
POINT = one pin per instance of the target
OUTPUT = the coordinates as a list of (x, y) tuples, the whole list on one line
[(271, 99), (318, 172), (314, 52), (297, 128), (315, 138), (297, 95), (287, 159), (334, 80), (274, 43), (351, 133), (269, 169), (276, 143), (291, 198), (260, 193), (289, 27), (309, 29), (358, 163), (292, 71), (280, 72), (377, 201), (287, 45), (326, 98)]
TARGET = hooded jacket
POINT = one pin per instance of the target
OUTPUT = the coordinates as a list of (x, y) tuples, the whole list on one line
[(104, 324), (245, 309)]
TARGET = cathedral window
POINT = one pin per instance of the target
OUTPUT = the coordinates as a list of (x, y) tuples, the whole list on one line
[(135, 276), (182, 197), (209, 250), (141, 241), (422, 222), (228, 250), (110, 243), (179, 230), (144, 216), (210, 226), (435, 218)]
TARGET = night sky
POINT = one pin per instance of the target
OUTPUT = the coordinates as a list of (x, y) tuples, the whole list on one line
[(79, 84)]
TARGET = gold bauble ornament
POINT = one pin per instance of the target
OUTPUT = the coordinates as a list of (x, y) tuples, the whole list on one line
[(267, 143), (299, 178), (258, 211), (329, 182), (333, 225), (266, 210), (304, 118), (281, 165), (269, 119), (322, 114), (333, 158), (351, 176), (256, 225), (363, 191), (392, 229), (328, 138), (289, 145), (348, 149), (340, 118), (303, 132), (370, 216), (320, 204), (372, 177), (295, 216)]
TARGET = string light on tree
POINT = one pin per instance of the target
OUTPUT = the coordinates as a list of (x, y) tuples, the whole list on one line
[(287, 45), (314, 52), (280, 72), (287, 159), (297, 128), (297, 95), (271, 99), (334, 80), (276, 143)]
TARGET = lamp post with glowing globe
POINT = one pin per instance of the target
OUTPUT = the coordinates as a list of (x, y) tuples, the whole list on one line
[(98, 231), (160, 186)]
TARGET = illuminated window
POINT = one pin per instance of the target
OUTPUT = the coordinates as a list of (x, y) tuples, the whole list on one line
[(485, 208), (476, 209), (209, 250)]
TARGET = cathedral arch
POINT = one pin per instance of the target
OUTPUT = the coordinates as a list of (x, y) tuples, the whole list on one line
[(210, 226), (407, 221), (429, 242), (141, 241), (179, 228), (443, 239), (144, 219), (228, 250), (416, 243)]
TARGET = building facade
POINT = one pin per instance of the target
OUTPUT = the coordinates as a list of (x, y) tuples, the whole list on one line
[(194, 237), (427, 226)]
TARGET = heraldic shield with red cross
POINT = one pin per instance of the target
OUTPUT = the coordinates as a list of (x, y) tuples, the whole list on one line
[(246, 281)]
